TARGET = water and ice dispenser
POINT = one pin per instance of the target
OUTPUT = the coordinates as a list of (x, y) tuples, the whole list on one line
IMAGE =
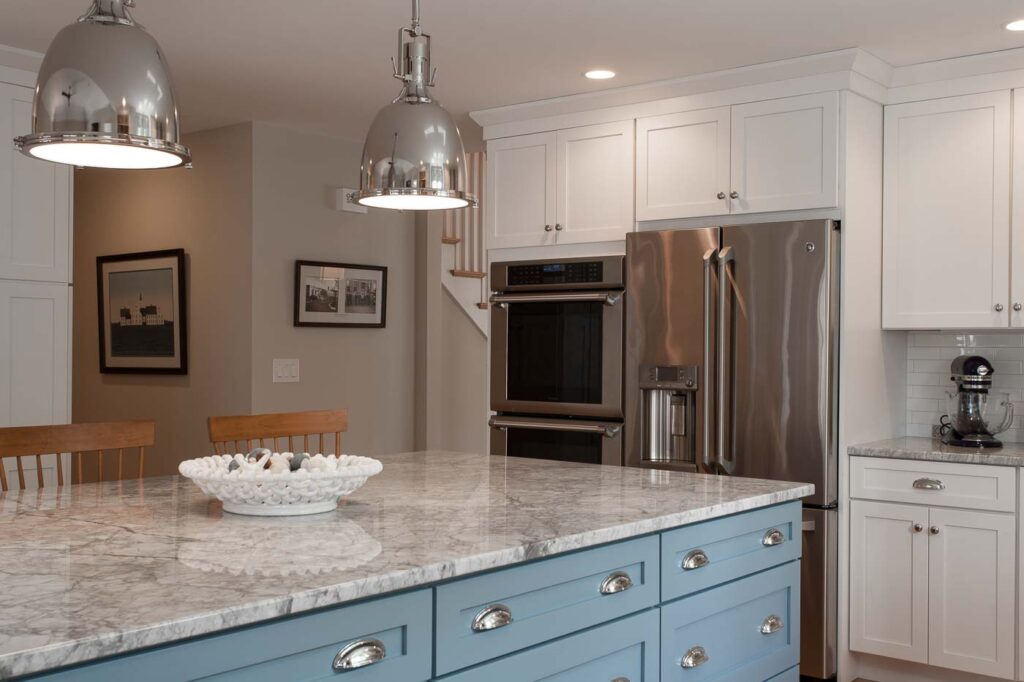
[(669, 415)]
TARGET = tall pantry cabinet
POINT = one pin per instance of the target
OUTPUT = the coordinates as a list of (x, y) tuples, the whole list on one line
[(35, 280)]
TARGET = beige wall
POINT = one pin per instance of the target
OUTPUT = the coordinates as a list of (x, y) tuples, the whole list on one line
[(464, 400), (208, 212), (369, 371)]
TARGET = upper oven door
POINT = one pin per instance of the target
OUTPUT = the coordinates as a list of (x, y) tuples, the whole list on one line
[(558, 353)]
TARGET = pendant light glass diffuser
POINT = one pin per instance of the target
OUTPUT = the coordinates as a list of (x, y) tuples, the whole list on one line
[(413, 158), (104, 96)]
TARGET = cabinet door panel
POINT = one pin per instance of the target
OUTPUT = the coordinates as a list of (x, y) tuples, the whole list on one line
[(1017, 218), (520, 198), (35, 196), (682, 164), (785, 154), (946, 202), (595, 182), (34, 379), (972, 594), (889, 580)]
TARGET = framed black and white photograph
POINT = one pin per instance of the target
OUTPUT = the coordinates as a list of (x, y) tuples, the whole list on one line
[(340, 294), (142, 320)]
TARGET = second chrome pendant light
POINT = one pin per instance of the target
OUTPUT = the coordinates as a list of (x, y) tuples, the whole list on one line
[(413, 158)]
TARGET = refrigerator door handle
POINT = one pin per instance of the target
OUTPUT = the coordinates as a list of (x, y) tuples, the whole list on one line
[(725, 257), (709, 257)]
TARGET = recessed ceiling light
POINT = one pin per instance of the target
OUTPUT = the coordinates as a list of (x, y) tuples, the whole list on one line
[(599, 74), (1015, 25)]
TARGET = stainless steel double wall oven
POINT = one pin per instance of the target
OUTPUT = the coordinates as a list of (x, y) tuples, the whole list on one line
[(556, 359)]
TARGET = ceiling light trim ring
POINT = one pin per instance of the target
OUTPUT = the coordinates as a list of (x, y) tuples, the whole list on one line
[(25, 143), (471, 201)]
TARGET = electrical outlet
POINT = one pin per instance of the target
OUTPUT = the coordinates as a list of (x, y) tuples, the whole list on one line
[(342, 202), (286, 370)]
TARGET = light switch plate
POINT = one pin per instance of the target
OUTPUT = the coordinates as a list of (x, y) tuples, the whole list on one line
[(343, 203), (286, 370)]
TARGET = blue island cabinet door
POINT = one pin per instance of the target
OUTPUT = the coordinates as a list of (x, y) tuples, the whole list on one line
[(743, 631), (621, 651), (297, 649)]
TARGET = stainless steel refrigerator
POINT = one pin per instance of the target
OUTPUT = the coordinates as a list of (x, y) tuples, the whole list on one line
[(731, 366)]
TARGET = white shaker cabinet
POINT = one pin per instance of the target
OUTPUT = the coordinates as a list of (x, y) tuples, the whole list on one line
[(947, 199), (35, 201), (889, 580), (785, 154), (520, 200), (594, 175), (774, 155), (682, 164)]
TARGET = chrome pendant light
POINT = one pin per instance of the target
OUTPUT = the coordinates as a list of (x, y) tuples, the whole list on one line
[(104, 96), (413, 158)]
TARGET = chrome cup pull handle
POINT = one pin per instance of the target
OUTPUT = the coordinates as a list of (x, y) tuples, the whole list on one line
[(359, 654), (771, 625), (491, 618), (616, 582), (695, 559), (929, 484), (773, 537), (694, 657)]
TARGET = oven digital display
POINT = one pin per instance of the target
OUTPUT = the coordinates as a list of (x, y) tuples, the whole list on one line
[(556, 273)]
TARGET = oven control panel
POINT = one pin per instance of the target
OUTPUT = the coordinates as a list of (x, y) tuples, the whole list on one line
[(578, 272)]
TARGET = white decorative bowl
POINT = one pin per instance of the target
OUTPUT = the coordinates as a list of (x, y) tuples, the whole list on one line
[(255, 491)]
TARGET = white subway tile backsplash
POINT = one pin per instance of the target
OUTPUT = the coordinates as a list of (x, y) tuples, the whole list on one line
[(928, 357)]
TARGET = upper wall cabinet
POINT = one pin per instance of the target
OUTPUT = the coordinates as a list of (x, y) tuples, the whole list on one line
[(35, 201), (575, 185), (947, 202), (777, 155)]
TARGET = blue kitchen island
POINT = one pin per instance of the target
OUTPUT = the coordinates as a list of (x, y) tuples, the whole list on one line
[(446, 566)]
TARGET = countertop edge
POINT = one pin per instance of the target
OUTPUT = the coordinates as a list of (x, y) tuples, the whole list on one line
[(74, 652), (933, 450)]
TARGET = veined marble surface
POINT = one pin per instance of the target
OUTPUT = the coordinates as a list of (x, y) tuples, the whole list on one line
[(99, 569), (934, 450)]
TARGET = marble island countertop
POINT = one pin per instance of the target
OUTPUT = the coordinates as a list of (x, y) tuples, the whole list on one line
[(99, 569), (934, 450)]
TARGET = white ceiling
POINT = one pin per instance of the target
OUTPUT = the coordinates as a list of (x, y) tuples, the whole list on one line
[(324, 64)]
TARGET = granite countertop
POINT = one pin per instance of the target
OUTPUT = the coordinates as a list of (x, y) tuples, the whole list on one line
[(99, 569), (934, 450)]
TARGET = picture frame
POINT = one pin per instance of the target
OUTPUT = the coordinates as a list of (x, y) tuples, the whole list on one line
[(340, 295), (142, 312)]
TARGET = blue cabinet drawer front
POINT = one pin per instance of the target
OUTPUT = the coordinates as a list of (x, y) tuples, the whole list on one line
[(791, 675), (300, 649), (626, 648), (732, 547), (547, 599), (727, 623)]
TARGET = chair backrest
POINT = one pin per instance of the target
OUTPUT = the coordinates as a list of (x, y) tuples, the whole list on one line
[(77, 440), (231, 435)]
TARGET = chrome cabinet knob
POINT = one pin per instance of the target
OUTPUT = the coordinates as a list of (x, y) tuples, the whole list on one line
[(491, 618), (695, 559), (918, 528), (559, 227), (1017, 307), (771, 625), (547, 228), (999, 307), (773, 537), (734, 194), (359, 654), (694, 657), (721, 195), (934, 530), (616, 582)]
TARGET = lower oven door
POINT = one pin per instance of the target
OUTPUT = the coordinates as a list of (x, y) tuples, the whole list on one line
[(558, 353), (567, 440)]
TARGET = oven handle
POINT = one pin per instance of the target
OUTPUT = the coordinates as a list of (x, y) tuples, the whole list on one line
[(606, 297), (504, 423)]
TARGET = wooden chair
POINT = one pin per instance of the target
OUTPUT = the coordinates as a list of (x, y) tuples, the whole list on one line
[(76, 439), (230, 435)]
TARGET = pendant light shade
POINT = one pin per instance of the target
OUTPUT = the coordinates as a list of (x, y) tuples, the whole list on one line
[(104, 97), (413, 158)]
